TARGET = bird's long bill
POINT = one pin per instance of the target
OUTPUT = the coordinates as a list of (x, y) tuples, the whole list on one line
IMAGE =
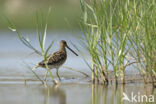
[(72, 51)]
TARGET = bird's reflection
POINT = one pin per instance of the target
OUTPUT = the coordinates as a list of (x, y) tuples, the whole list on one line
[(54, 95)]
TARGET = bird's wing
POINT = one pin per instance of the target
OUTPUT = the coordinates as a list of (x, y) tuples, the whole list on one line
[(54, 58)]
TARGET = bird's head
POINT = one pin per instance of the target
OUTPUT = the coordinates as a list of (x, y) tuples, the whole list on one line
[(63, 44)]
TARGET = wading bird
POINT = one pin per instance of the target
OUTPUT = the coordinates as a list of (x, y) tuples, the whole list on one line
[(57, 59)]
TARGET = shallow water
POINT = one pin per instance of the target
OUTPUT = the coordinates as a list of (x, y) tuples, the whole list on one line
[(71, 93), (73, 89)]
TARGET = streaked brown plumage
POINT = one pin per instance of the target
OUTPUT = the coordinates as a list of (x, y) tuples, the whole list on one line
[(55, 60), (58, 58)]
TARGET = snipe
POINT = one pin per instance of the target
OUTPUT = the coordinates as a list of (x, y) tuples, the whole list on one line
[(57, 59)]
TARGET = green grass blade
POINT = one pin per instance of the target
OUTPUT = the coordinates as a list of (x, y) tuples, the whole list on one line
[(47, 50)]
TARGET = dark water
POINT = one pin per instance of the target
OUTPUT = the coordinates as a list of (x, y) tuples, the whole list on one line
[(74, 88)]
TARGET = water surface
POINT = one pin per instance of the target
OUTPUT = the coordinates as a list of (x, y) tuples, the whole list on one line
[(74, 87), (70, 94)]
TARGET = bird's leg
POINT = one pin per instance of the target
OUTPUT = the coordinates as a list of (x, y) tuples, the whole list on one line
[(58, 74), (45, 76)]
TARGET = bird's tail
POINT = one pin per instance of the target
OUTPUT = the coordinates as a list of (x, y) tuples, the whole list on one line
[(34, 68)]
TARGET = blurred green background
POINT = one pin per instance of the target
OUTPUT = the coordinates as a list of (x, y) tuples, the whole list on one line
[(65, 14)]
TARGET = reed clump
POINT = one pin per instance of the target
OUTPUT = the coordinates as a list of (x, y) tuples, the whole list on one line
[(119, 34)]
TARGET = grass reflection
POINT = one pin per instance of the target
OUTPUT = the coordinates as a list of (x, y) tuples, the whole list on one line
[(114, 94), (107, 94)]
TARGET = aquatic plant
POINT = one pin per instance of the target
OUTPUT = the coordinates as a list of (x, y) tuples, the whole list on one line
[(41, 25), (144, 38), (118, 34)]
